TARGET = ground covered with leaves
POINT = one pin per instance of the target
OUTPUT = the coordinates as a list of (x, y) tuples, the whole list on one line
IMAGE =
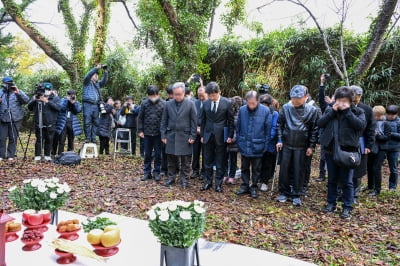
[(371, 237)]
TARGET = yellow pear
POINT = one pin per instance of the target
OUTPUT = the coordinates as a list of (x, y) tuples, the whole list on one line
[(110, 238), (94, 236), (111, 228)]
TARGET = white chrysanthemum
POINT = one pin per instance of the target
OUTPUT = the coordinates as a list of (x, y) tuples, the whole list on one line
[(199, 203), (53, 195), (66, 188), (47, 180), (26, 181), (60, 190), (172, 207), (12, 188), (199, 209), (185, 215), (152, 215), (35, 182), (55, 180), (185, 204), (163, 206), (42, 188), (50, 185), (164, 216)]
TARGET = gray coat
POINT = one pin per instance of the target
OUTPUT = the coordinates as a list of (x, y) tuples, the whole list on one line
[(12, 102), (179, 127)]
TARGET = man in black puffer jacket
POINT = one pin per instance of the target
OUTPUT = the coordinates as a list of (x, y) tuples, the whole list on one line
[(149, 122), (50, 104)]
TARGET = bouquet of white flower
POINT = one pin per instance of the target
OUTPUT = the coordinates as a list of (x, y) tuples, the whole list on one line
[(40, 194), (177, 223)]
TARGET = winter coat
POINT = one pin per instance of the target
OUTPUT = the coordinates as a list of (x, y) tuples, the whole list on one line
[(297, 127), (150, 116), (253, 131), (351, 127), (91, 90), (105, 121), (74, 109), (233, 147), (177, 127), (131, 116), (50, 110), (382, 136), (12, 102), (394, 141), (369, 131), (273, 138)]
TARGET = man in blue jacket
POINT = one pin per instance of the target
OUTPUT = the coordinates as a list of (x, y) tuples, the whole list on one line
[(91, 98), (12, 112), (253, 136), (67, 125)]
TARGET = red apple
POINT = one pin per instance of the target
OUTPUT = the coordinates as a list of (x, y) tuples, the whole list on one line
[(46, 215), (35, 219), (26, 213)]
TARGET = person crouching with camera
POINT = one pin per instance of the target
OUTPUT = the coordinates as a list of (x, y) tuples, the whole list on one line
[(12, 112), (104, 128), (68, 125), (46, 105)]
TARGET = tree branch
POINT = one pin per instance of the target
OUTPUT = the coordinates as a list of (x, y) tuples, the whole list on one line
[(129, 14)]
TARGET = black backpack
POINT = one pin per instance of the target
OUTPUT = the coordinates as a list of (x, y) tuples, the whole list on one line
[(68, 158)]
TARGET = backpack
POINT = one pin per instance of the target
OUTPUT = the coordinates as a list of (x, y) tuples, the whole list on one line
[(68, 158)]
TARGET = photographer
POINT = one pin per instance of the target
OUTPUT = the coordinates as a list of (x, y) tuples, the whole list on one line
[(67, 125), (91, 98), (131, 111), (46, 105), (11, 115)]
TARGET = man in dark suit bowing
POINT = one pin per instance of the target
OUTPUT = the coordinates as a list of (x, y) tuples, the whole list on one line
[(216, 115)]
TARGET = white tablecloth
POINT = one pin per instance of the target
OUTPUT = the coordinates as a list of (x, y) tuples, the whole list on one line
[(139, 248)]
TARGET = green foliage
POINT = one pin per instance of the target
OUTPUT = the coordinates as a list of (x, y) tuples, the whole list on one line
[(40, 194), (177, 223), (6, 48), (97, 223), (236, 13)]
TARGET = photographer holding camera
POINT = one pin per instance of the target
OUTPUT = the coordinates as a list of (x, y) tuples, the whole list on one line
[(46, 105), (131, 111), (12, 112), (67, 125), (91, 98)]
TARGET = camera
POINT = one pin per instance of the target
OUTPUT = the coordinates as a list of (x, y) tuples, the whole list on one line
[(9, 86), (327, 77), (102, 108), (71, 95), (39, 91), (104, 67), (263, 88), (196, 78)]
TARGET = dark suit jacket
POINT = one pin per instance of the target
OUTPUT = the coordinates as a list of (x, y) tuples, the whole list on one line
[(199, 108), (214, 123), (178, 127)]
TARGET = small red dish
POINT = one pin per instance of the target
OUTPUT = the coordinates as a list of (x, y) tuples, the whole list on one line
[(32, 245), (69, 235), (64, 257), (11, 236), (104, 251), (42, 227)]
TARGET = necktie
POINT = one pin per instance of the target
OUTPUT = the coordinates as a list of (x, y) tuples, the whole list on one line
[(214, 110)]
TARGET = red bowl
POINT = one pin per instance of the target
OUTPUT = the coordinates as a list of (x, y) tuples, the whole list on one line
[(42, 227), (32, 245), (69, 235), (11, 236), (64, 257), (106, 251)]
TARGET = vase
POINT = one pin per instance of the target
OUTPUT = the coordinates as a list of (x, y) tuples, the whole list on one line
[(54, 217), (173, 256)]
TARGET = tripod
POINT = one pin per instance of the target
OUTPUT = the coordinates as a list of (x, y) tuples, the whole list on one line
[(39, 107)]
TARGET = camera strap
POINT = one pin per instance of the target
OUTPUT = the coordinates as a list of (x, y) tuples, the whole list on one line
[(98, 91)]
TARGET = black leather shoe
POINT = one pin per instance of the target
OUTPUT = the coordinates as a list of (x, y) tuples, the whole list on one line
[(201, 177), (218, 189), (169, 182), (242, 191), (329, 208), (346, 214), (253, 193), (194, 175), (157, 177), (145, 177), (205, 187)]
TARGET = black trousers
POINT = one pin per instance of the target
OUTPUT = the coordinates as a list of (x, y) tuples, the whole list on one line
[(268, 166), (292, 171), (307, 172), (46, 141), (133, 139), (197, 150), (181, 162), (255, 164), (9, 131), (67, 133), (214, 153), (104, 145)]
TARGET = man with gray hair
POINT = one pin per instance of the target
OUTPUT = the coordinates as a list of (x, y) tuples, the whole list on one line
[(253, 135), (178, 133)]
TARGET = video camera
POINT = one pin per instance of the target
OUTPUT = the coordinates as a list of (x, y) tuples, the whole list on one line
[(263, 88), (40, 90)]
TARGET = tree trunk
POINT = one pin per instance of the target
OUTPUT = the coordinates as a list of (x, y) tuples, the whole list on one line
[(377, 35), (100, 37)]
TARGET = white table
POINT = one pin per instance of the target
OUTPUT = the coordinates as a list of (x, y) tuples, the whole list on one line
[(139, 248)]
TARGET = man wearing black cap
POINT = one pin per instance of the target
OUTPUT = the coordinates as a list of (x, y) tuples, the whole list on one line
[(297, 137), (46, 108), (91, 98), (12, 112)]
